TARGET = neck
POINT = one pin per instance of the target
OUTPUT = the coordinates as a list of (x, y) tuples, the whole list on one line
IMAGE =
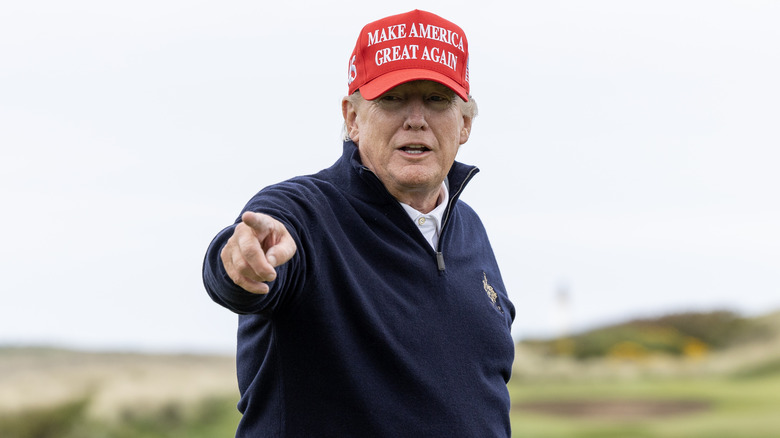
[(423, 202)]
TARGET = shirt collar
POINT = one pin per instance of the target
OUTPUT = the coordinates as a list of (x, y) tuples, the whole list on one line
[(430, 223)]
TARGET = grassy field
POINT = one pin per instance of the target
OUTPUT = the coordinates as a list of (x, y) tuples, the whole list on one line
[(49, 393), (727, 407), (728, 393), (733, 393), (137, 396)]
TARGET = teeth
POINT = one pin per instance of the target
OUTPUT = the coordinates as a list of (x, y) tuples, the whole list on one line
[(415, 149)]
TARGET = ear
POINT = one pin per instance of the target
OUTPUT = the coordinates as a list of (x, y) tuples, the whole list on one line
[(349, 112), (465, 130)]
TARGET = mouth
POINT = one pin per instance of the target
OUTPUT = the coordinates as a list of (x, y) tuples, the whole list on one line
[(415, 149)]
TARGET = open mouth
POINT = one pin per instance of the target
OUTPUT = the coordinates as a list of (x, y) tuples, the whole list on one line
[(415, 149)]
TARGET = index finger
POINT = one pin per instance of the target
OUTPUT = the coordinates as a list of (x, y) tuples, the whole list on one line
[(259, 222)]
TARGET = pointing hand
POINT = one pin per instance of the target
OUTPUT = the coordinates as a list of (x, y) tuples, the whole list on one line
[(258, 245)]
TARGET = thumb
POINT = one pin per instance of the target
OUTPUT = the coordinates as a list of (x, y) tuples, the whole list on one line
[(277, 243), (282, 251)]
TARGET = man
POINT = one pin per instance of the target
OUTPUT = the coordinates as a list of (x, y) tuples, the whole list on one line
[(370, 301)]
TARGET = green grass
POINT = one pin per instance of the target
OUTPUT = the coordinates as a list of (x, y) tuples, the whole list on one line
[(739, 408), (207, 418), (743, 403), (744, 408), (50, 422)]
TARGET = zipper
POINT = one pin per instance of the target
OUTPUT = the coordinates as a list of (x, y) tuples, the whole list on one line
[(440, 260), (446, 218)]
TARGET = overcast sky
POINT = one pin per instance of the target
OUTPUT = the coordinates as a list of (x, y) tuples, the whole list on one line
[(629, 154)]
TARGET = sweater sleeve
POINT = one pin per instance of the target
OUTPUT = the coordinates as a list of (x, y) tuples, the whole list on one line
[(218, 284), (226, 293)]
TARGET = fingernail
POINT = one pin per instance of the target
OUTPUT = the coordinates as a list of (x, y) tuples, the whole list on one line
[(272, 260)]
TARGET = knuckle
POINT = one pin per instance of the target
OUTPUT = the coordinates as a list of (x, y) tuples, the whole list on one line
[(251, 252)]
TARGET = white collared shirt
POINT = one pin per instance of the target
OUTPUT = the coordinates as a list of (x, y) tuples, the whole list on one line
[(429, 224)]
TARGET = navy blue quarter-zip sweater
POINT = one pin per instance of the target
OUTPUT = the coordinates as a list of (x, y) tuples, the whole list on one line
[(368, 331)]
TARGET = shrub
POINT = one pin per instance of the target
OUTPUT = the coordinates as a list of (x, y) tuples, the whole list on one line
[(50, 422)]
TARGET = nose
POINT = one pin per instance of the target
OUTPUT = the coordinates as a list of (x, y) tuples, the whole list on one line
[(415, 115)]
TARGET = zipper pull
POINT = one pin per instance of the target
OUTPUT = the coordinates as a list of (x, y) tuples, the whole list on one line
[(440, 260)]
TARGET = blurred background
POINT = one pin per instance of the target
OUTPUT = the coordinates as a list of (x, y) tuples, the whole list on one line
[(628, 154)]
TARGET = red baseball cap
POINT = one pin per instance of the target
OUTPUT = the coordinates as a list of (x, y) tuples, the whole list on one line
[(417, 45)]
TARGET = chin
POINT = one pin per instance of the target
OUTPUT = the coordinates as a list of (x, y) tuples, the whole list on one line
[(418, 177)]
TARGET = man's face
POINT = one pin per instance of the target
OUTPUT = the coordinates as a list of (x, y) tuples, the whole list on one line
[(409, 136)]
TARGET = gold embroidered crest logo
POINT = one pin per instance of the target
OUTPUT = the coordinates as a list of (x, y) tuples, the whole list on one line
[(491, 293)]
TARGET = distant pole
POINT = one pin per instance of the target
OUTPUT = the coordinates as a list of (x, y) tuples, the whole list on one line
[(564, 345), (563, 310)]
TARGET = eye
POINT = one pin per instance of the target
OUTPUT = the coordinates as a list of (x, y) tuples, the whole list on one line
[(439, 100), (390, 98)]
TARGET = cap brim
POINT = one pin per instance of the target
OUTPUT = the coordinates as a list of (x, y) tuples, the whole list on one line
[(378, 86)]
